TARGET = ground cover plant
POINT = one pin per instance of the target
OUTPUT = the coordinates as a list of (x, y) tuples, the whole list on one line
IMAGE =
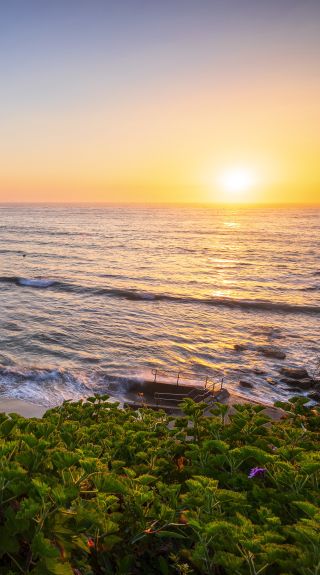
[(94, 489)]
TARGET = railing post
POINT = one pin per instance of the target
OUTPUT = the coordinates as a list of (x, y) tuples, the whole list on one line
[(178, 377), (155, 375)]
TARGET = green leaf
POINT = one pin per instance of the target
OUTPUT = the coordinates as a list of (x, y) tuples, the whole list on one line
[(163, 565), (41, 487), (171, 534), (42, 547), (307, 508), (146, 479), (8, 542), (110, 484), (63, 459), (6, 427), (58, 568)]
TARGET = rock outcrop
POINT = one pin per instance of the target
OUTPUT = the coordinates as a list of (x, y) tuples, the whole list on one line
[(272, 351), (245, 383), (295, 372), (239, 347)]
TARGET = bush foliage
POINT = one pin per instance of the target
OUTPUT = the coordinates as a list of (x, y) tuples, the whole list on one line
[(95, 489)]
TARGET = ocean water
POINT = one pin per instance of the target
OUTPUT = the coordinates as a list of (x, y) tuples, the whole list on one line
[(93, 296)]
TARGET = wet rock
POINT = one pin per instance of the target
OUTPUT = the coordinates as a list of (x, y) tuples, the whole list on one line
[(315, 395), (239, 347), (272, 351), (288, 380), (271, 381), (305, 383), (258, 371), (294, 372), (245, 383)]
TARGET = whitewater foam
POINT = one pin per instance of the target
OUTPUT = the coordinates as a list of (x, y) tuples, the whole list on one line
[(35, 282), (48, 386)]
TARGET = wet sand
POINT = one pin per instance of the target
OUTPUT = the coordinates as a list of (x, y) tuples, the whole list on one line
[(274, 413), (24, 408), (27, 409)]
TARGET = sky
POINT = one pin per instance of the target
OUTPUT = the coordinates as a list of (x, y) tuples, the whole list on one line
[(160, 101)]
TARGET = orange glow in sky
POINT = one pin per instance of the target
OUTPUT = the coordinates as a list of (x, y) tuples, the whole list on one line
[(204, 104)]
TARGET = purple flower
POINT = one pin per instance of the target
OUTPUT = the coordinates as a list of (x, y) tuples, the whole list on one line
[(256, 471)]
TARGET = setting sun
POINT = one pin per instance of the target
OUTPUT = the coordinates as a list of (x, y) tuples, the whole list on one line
[(237, 184)]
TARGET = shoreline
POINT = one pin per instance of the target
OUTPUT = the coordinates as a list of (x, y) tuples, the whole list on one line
[(22, 407), (30, 410)]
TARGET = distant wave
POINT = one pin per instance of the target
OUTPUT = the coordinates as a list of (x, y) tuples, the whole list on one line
[(132, 294), (311, 288), (29, 282), (36, 282)]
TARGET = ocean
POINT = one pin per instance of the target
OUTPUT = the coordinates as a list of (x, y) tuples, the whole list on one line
[(93, 296)]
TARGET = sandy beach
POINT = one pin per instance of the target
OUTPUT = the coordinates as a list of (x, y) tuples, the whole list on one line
[(24, 408), (27, 409)]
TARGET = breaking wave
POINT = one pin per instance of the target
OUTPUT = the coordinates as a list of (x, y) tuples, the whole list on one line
[(133, 294), (50, 386), (36, 282)]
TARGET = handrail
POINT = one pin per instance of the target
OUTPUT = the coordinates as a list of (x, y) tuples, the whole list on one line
[(198, 391), (172, 399), (181, 375), (200, 395), (160, 395), (191, 392)]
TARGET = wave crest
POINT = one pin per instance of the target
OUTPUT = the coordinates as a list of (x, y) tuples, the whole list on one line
[(132, 294), (36, 282)]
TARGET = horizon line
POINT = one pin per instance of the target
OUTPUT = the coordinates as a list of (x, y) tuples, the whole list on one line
[(150, 204)]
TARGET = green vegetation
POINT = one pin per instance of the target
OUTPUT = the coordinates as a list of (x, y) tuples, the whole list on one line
[(93, 489)]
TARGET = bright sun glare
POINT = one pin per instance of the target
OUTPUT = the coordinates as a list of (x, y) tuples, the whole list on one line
[(236, 184)]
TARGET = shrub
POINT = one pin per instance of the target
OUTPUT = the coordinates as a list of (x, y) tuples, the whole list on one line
[(94, 489)]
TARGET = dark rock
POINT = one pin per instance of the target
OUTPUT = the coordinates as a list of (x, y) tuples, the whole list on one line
[(315, 395), (259, 371), (305, 383), (244, 383), (288, 381), (239, 347), (298, 383), (294, 372), (271, 351)]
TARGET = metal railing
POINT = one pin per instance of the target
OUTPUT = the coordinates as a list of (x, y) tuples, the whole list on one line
[(196, 394), (181, 376), (175, 397)]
